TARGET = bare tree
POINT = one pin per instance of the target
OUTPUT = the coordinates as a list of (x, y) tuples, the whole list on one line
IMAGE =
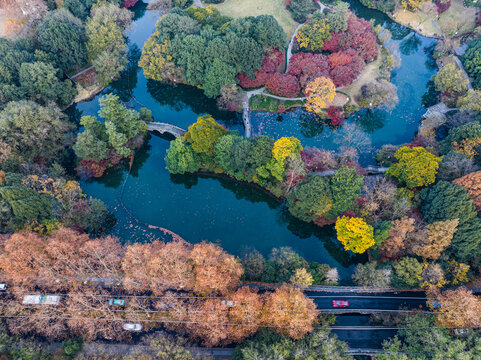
[(351, 136)]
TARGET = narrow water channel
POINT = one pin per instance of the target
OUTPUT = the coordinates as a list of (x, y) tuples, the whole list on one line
[(238, 216)]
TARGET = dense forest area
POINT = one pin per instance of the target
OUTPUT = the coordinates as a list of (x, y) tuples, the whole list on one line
[(418, 224)]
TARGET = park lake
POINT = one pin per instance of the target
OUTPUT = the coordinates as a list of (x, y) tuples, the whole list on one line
[(238, 216)]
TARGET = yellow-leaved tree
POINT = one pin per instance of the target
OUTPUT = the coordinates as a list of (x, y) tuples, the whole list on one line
[(415, 167), (321, 91), (283, 148), (155, 58), (355, 234), (286, 147), (312, 35)]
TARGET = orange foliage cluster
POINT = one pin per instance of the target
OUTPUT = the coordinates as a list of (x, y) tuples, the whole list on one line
[(59, 261), (472, 183), (204, 268), (395, 244), (214, 322), (175, 272), (339, 58), (459, 309)]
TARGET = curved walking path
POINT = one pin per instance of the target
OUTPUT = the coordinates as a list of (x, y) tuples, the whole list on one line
[(461, 67), (370, 170), (291, 45), (323, 6), (246, 117)]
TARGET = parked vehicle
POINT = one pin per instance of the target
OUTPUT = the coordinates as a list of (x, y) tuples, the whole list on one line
[(229, 303), (118, 302), (3, 287), (340, 303), (436, 304), (132, 327)]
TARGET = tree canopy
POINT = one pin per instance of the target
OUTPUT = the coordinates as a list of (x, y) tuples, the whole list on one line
[(62, 37), (19, 131), (446, 201), (203, 48), (355, 234), (106, 45), (415, 167), (203, 134), (472, 61)]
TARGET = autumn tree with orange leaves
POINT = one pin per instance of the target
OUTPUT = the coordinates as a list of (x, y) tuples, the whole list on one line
[(289, 312), (159, 266), (239, 315), (472, 183), (219, 321), (203, 268), (459, 309), (320, 91), (431, 241), (395, 244), (214, 269), (59, 261)]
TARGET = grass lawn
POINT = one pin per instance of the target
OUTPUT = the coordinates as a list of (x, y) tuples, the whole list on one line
[(369, 73), (457, 18), (276, 8), (266, 103)]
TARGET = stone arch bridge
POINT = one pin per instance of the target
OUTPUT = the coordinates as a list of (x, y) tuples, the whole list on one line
[(166, 128)]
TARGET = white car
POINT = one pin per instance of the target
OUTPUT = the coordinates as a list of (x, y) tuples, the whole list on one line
[(132, 327), (3, 286), (229, 303), (41, 300)]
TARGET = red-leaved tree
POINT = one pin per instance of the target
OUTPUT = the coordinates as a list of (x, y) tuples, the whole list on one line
[(339, 58), (308, 66), (272, 60), (332, 45), (361, 37), (260, 77), (283, 85), (270, 63), (344, 75), (335, 115), (129, 3)]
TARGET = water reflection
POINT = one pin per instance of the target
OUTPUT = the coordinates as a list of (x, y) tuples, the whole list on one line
[(124, 87), (180, 97), (371, 120), (139, 10), (410, 44), (311, 125)]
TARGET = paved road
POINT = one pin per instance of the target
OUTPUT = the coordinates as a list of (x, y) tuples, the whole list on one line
[(369, 302)]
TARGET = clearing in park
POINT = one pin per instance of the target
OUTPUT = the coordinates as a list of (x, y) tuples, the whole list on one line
[(243, 8)]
